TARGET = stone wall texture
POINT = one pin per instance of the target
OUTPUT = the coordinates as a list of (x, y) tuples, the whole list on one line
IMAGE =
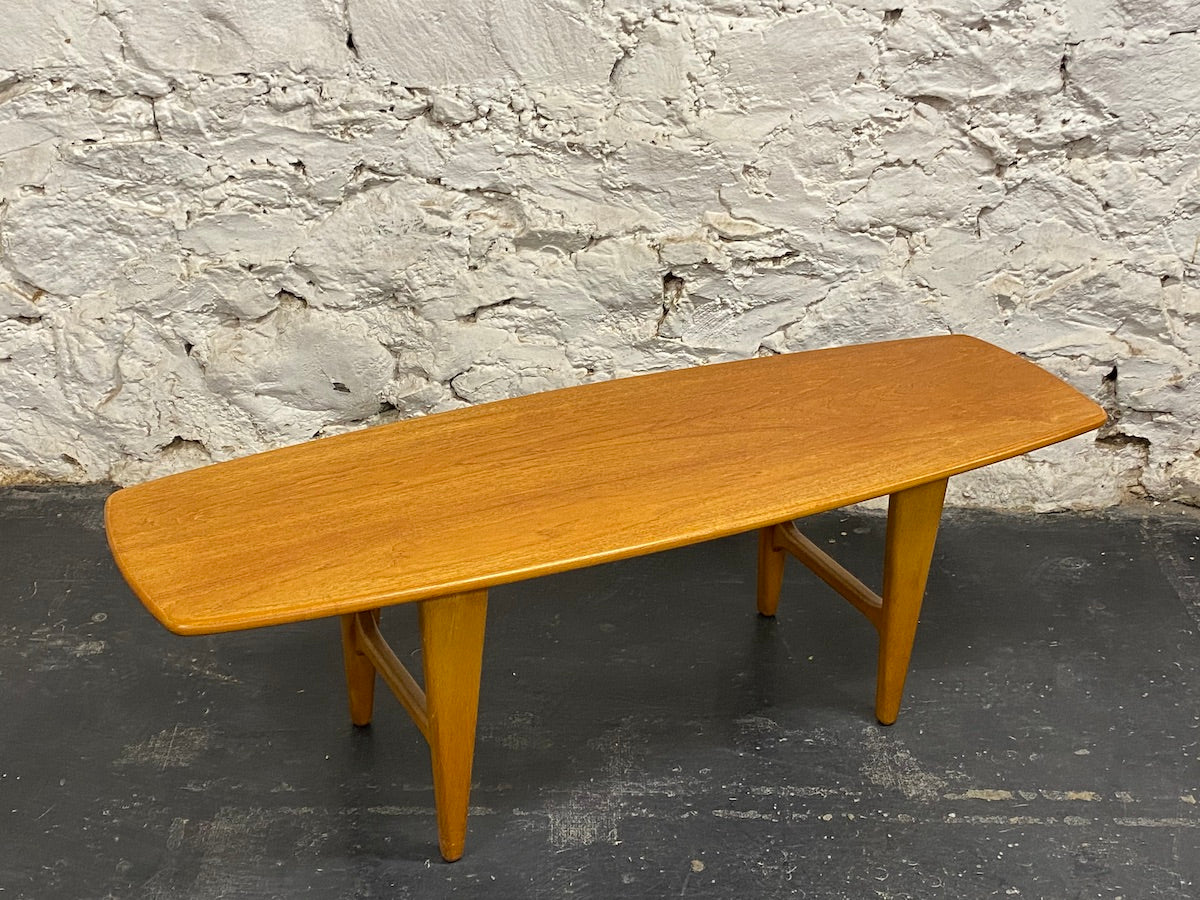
[(227, 225)]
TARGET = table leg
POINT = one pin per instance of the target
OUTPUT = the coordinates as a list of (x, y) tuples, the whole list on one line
[(770, 570), (913, 517), (452, 645), (360, 673)]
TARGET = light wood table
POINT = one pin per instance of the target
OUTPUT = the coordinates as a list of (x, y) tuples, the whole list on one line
[(438, 509)]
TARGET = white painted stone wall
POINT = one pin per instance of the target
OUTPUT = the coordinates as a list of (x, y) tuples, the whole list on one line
[(227, 225)]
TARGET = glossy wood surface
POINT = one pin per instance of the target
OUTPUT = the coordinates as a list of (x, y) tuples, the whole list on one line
[(452, 649), (360, 671), (828, 569), (913, 517), (477, 497)]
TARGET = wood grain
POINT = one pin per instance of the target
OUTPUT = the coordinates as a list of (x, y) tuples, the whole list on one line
[(770, 571), (360, 671), (913, 518), (472, 498), (829, 570), (452, 646)]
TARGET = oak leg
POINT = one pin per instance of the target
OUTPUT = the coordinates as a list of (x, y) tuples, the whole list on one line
[(360, 673), (770, 571), (452, 644), (913, 517)]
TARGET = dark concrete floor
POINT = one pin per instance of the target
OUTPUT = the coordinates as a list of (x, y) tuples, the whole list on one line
[(642, 732)]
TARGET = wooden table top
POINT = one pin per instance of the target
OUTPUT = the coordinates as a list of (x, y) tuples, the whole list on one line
[(505, 491)]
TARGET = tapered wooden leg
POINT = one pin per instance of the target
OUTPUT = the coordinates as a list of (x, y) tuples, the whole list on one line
[(770, 571), (452, 645), (360, 673), (913, 517)]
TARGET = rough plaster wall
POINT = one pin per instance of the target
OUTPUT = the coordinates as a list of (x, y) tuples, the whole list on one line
[(231, 224)]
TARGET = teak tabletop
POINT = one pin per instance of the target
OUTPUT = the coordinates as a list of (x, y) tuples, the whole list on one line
[(486, 495)]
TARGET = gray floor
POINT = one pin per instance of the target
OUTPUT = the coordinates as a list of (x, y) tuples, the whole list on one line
[(642, 732)]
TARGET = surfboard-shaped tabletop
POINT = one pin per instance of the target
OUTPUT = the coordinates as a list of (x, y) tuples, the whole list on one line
[(496, 493)]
